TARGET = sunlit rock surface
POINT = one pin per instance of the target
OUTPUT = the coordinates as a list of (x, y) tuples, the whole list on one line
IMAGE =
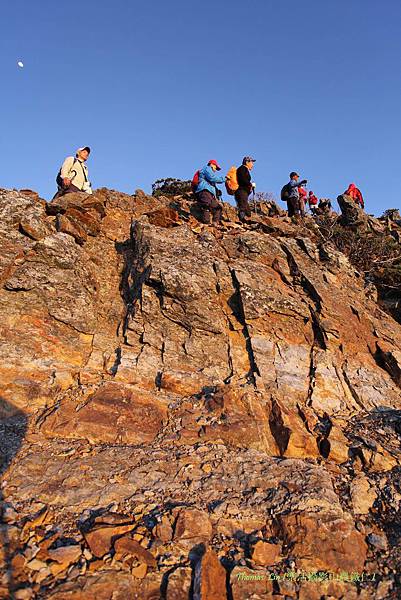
[(191, 412)]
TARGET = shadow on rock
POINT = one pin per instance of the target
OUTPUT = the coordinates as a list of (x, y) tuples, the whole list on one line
[(13, 426)]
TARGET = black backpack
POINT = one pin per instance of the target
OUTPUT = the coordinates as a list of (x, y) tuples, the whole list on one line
[(59, 179), (285, 192)]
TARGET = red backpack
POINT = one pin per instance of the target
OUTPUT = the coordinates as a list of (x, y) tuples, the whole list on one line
[(195, 181)]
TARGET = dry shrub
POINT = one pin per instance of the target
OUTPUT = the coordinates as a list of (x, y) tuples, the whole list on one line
[(170, 187), (375, 254)]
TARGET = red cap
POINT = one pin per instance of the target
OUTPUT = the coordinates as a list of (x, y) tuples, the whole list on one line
[(214, 162)]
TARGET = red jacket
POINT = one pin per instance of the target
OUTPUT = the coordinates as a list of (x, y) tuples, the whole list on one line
[(355, 194), (302, 193), (312, 199)]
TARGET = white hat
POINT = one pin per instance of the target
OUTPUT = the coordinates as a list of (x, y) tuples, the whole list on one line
[(84, 148)]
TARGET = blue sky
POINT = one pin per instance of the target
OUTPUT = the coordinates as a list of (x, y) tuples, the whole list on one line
[(157, 89)]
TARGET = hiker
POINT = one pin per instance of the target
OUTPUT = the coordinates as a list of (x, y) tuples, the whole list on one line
[(73, 175), (323, 208), (355, 194), (303, 198), (207, 193), (290, 193), (245, 187), (312, 200)]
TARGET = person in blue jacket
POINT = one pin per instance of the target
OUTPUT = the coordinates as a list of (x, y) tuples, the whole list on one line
[(294, 208), (207, 193)]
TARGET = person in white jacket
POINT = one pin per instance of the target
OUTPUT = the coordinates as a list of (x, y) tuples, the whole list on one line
[(73, 175)]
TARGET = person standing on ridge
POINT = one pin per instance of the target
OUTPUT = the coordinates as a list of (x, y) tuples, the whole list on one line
[(73, 175), (355, 194), (303, 198), (245, 187), (293, 194), (207, 193)]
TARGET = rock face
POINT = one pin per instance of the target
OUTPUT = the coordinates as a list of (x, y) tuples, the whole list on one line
[(352, 214), (190, 412)]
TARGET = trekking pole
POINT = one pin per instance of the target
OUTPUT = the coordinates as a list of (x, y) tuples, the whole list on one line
[(254, 202)]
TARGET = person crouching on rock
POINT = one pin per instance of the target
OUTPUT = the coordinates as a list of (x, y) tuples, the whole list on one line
[(355, 194), (245, 187), (207, 193), (324, 206), (293, 204), (312, 200), (73, 175)]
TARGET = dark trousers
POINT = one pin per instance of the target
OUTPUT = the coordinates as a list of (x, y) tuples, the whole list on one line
[(208, 203), (302, 207), (66, 190), (293, 207), (241, 197)]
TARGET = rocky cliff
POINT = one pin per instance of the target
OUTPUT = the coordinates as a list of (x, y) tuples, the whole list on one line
[(191, 412)]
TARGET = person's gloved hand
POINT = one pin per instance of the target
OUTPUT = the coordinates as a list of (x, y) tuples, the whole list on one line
[(253, 185)]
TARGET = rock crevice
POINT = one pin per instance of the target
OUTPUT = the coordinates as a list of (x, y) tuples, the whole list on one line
[(211, 403)]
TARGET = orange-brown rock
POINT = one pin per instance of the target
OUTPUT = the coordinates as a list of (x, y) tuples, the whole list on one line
[(247, 525), (182, 383), (164, 217), (363, 495), (327, 544), (194, 526), (163, 530), (18, 563), (289, 433), (72, 227), (126, 546), (210, 578), (87, 218), (204, 387), (338, 445), (104, 586), (114, 413), (314, 590), (65, 555), (112, 518), (179, 584), (265, 554), (140, 571), (100, 540), (246, 583), (239, 417)]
